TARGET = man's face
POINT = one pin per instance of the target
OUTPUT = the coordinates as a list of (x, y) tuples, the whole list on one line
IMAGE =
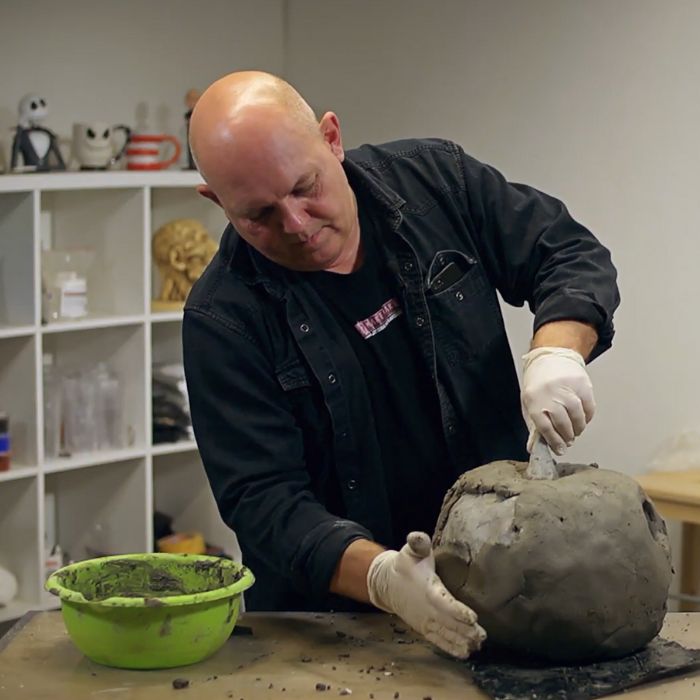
[(287, 195)]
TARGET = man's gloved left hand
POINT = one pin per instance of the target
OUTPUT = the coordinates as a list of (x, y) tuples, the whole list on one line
[(557, 396), (405, 583)]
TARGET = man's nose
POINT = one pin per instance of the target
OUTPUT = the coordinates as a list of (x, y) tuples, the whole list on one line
[(294, 217)]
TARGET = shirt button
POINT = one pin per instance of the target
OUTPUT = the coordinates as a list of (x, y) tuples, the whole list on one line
[(332, 378), (343, 435), (352, 485), (304, 328), (450, 428), (407, 266), (420, 321), (460, 296)]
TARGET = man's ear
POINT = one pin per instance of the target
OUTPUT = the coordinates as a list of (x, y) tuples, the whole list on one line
[(330, 131), (208, 193)]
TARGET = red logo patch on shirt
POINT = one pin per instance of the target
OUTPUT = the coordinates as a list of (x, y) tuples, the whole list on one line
[(379, 320)]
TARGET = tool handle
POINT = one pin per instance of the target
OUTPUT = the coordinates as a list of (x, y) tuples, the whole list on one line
[(542, 464)]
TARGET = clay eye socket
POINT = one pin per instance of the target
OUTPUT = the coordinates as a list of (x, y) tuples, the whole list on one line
[(42, 103), (34, 104), (105, 134), (91, 134)]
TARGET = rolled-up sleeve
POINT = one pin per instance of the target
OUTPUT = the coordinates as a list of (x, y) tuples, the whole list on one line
[(535, 252), (252, 451)]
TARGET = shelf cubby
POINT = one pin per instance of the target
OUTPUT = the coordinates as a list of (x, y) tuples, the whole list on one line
[(96, 509), (18, 397), (17, 270), (181, 490), (122, 349), (109, 223), (168, 203)]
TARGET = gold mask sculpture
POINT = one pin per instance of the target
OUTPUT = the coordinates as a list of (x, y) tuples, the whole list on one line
[(182, 248)]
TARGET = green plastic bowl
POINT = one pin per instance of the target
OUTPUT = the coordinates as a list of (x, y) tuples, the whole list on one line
[(150, 610)]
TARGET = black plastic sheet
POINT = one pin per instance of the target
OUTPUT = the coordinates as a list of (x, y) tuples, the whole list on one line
[(504, 677)]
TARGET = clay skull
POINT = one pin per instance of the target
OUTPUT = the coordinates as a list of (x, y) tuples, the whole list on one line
[(182, 249), (573, 569)]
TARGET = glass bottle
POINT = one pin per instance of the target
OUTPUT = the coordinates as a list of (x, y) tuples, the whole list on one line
[(52, 409), (109, 419)]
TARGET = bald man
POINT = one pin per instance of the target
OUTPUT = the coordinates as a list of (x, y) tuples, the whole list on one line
[(345, 353)]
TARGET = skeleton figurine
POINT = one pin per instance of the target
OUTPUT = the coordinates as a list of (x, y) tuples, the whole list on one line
[(181, 249), (36, 144)]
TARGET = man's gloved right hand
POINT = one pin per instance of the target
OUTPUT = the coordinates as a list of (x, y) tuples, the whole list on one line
[(405, 583), (557, 396)]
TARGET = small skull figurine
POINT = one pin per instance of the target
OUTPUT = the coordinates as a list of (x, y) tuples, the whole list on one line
[(181, 249)]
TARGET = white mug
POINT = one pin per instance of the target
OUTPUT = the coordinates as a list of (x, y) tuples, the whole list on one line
[(94, 146)]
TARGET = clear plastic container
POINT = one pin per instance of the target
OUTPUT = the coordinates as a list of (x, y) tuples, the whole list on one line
[(52, 409), (64, 284), (78, 407), (92, 411)]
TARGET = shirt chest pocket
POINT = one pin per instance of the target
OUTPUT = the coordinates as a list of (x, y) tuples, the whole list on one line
[(293, 376), (306, 402), (464, 311), (311, 416)]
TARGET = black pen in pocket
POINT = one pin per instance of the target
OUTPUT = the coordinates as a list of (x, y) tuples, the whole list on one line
[(449, 274)]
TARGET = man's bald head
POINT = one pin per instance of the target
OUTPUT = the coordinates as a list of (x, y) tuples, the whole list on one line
[(276, 172), (239, 105)]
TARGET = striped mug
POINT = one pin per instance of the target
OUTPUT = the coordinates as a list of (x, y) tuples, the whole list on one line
[(144, 152)]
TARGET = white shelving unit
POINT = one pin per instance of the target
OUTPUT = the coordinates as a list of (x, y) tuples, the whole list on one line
[(108, 496)]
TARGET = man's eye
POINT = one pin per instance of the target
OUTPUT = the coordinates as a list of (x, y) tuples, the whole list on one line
[(306, 189), (259, 216)]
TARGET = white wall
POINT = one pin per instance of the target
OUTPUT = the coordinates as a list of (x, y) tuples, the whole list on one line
[(128, 61), (596, 102)]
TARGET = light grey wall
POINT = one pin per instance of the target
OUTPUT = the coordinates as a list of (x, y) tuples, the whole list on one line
[(596, 102), (128, 61)]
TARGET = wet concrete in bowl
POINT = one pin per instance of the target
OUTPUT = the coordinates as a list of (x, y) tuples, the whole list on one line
[(130, 578)]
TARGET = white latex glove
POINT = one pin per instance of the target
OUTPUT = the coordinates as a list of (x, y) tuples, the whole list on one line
[(405, 583), (557, 396)]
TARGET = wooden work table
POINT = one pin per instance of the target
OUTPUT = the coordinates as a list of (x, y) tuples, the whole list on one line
[(676, 496), (284, 658)]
